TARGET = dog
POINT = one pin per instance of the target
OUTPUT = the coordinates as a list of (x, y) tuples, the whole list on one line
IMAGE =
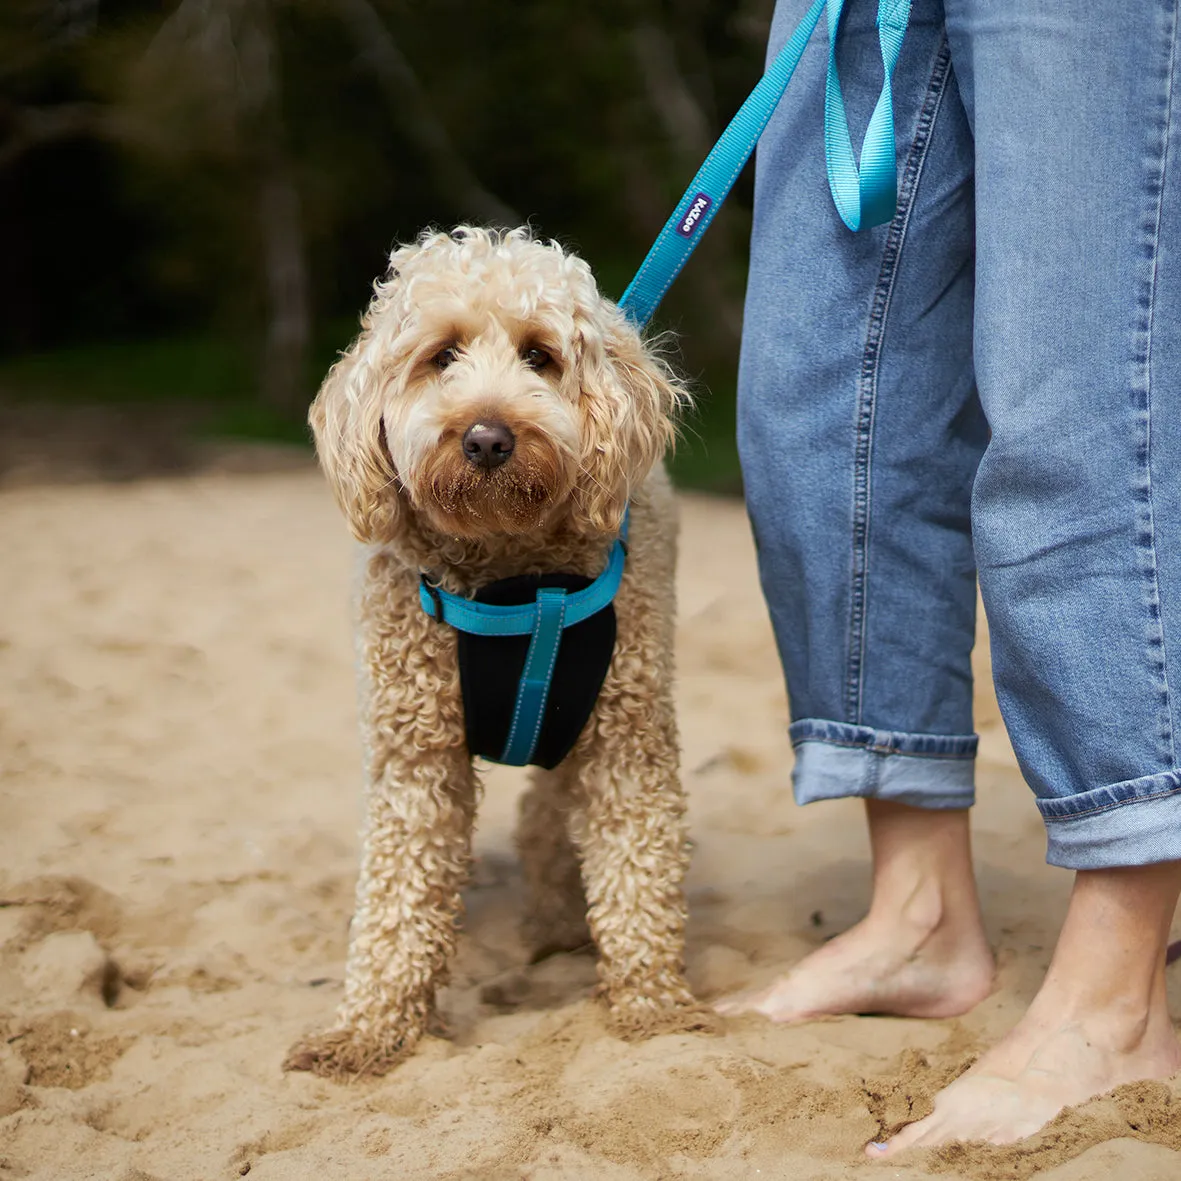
[(497, 417)]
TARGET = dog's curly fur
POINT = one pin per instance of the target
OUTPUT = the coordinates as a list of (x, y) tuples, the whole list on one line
[(477, 326)]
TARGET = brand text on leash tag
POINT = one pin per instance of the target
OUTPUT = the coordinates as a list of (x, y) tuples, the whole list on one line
[(696, 212)]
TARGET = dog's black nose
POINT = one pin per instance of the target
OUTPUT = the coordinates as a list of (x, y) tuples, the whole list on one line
[(488, 444)]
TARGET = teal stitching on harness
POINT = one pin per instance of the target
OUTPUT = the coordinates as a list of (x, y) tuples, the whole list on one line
[(862, 198), (533, 690)]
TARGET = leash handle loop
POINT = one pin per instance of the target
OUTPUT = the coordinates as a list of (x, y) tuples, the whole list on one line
[(869, 195), (862, 198)]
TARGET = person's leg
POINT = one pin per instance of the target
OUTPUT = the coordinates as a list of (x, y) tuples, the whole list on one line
[(1100, 1018), (1078, 535), (919, 952), (860, 432)]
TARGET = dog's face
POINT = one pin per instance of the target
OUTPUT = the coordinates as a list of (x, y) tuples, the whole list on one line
[(492, 390)]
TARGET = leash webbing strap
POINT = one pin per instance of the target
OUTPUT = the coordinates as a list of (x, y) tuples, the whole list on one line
[(533, 690), (862, 198)]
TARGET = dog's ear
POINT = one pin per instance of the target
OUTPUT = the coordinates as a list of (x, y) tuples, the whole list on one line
[(346, 420), (629, 399)]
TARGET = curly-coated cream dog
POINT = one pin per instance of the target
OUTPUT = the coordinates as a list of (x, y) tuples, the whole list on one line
[(496, 417)]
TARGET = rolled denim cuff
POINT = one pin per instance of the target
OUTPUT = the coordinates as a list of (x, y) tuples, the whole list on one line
[(1137, 822), (835, 760)]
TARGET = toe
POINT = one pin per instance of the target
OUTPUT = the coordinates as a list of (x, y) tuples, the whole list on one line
[(909, 1137), (749, 1000), (731, 1006)]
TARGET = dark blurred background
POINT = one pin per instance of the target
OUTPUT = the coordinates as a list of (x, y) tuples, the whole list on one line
[(195, 196)]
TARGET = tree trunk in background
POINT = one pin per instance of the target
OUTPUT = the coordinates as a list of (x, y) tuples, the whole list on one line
[(285, 350), (411, 111), (280, 222), (716, 310)]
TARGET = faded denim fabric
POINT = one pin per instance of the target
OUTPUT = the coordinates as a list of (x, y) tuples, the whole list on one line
[(994, 380)]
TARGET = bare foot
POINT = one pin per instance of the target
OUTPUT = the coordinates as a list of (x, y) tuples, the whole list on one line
[(1100, 1019), (1030, 1076), (900, 968), (920, 952)]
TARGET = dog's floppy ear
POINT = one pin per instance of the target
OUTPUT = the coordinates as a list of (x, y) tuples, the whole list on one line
[(346, 419), (629, 398)]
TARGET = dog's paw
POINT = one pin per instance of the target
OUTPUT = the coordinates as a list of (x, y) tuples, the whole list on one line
[(345, 1053), (636, 1016)]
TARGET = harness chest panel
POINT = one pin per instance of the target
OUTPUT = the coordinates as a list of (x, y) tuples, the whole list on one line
[(491, 666)]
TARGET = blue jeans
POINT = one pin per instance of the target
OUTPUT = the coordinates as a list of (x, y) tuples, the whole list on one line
[(988, 386)]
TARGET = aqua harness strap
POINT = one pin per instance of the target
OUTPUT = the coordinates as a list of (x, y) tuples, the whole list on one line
[(536, 677), (863, 198), (489, 619), (569, 623)]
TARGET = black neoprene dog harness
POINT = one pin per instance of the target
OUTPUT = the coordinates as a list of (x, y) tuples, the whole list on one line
[(533, 651)]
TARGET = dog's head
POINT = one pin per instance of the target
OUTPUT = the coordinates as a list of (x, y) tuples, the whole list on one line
[(492, 390)]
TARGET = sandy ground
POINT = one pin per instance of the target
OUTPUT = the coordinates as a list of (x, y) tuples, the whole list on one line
[(178, 804)]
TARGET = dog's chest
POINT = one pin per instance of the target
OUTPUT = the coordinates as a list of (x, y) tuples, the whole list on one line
[(491, 668)]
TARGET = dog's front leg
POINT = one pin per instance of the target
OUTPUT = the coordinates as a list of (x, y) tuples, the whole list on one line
[(631, 829), (416, 850), (415, 859)]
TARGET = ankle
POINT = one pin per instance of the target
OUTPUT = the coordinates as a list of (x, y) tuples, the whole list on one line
[(924, 903), (922, 870), (1120, 1021), (916, 906)]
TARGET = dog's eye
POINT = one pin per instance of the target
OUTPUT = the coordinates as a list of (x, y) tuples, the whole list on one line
[(536, 358), (445, 357)]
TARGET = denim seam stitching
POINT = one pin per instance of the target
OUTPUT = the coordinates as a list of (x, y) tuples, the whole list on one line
[(1156, 795), (867, 382), (886, 750), (1147, 535)]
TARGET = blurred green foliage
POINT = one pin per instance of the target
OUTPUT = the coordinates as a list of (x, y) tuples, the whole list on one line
[(195, 195)]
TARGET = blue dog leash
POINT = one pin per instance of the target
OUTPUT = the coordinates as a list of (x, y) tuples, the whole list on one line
[(870, 196), (863, 198)]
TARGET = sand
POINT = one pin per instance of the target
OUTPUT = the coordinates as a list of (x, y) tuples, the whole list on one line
[(178, 808)]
